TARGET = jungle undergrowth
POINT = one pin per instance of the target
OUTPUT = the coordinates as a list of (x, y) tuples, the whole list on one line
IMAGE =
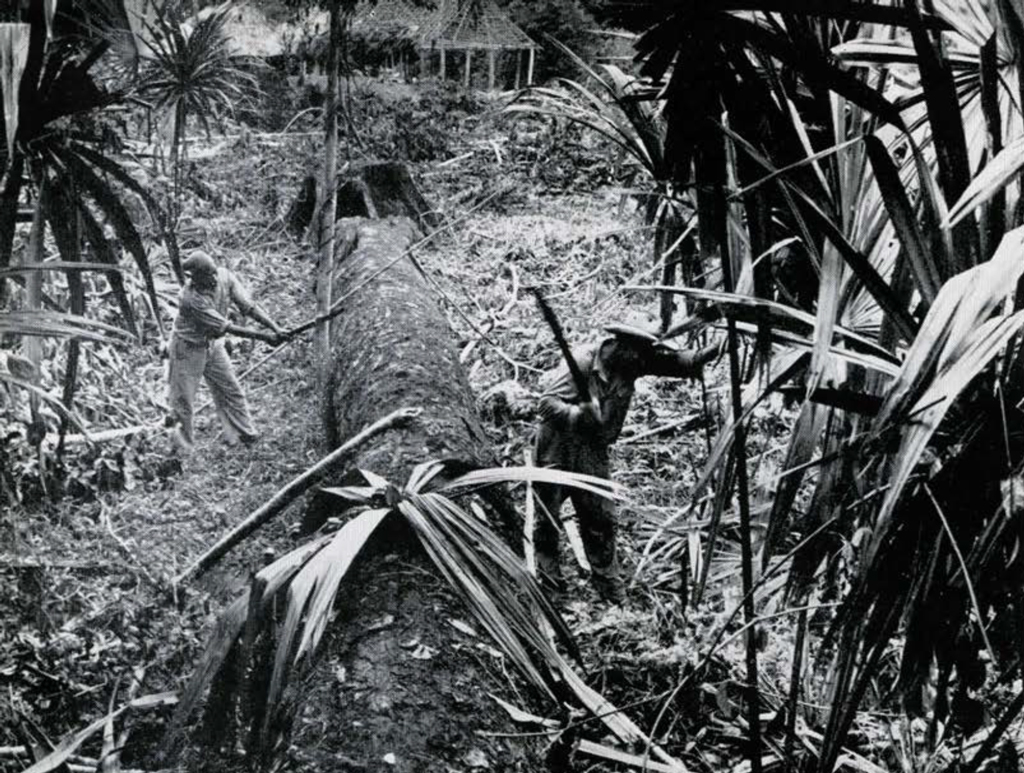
[(91, 603)]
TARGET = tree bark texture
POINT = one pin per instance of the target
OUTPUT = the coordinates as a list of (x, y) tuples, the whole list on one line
[(394, 348), (399, 687), (328, 190)]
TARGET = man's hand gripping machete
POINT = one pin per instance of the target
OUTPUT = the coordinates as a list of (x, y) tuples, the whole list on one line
[(582, 386)]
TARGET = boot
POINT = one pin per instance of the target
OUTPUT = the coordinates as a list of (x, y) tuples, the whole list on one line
[(609, 588)]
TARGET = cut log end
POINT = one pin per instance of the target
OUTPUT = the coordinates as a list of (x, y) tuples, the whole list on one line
[(368, 190)]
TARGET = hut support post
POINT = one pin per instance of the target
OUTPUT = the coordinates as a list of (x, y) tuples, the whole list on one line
[(529, 67), (442, 63), (519, 67), (469, 62), (490, 69)]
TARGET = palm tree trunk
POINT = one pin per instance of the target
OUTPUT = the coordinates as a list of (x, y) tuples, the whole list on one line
[(177, 151), (667, 231), (328, 199), (392, 349), (76, 291)]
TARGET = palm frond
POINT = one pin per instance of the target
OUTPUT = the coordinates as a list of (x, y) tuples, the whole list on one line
[(990, 181), (311, 594), (59, 756), (113, 209), (58, 325), (492, 580)]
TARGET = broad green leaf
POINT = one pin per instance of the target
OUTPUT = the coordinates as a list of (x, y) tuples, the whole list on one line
[(116, 214), (902, 215), (464, 571), (746, 308), (958, 338), (329, 567), (973, 354), (872, 51), (230, 625)]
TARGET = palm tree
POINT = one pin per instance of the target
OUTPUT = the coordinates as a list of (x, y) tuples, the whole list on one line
[(55, 149), (190, 71)]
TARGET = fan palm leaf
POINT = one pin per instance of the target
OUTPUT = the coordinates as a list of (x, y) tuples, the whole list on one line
[(57, 86), (902, 257)]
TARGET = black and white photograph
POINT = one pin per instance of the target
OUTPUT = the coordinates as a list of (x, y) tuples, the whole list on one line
[(527, 386)]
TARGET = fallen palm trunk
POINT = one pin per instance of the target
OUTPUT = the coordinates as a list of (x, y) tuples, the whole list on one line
[(393, 347), (402, 679), (400, 672)]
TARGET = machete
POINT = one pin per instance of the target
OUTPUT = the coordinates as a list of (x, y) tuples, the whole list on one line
[(582, 387)]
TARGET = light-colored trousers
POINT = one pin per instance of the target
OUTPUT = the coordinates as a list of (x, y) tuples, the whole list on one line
[(188, 364)]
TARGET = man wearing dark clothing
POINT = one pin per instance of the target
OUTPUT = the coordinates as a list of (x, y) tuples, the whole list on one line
[(575, 436)]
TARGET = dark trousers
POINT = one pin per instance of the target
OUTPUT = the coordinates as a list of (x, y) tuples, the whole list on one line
[(595, 514)]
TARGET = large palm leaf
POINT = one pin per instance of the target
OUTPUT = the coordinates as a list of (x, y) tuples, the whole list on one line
[(55, 88), (852, 197), (503, 596)]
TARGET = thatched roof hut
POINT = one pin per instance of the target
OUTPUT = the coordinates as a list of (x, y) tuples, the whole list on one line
[(390, 26), (466, 26), (462, 24), (400, 29)]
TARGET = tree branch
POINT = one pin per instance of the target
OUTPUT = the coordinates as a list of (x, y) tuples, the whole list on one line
[(292, 491)]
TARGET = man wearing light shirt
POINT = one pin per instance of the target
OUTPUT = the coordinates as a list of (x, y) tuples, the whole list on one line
[(197, 350)]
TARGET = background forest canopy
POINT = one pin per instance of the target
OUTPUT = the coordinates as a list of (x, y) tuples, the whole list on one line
[(825, 534)]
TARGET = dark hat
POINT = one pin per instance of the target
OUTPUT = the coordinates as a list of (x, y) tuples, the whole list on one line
[(200, 262)]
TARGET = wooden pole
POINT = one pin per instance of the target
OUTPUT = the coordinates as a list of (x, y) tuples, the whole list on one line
[(529, 67), (292, 491), (490, 69), (442, 64), (519, 67), (469, 62), (328, 200)]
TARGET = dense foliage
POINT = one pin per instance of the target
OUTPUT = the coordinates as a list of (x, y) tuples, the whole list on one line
[(842, 187)]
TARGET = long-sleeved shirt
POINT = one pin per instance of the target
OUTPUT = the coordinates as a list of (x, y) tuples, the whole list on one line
[(203, 315), (610, 376)]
